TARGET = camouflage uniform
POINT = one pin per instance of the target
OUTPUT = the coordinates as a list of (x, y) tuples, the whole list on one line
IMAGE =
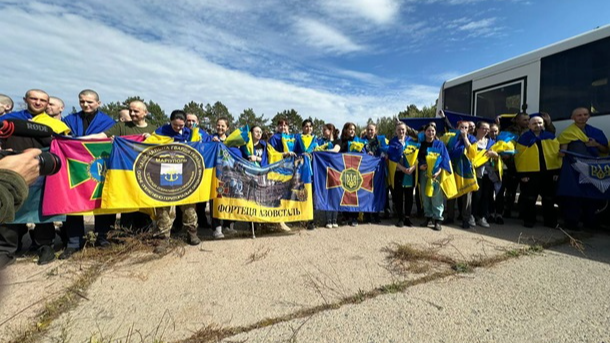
[(167, 215)]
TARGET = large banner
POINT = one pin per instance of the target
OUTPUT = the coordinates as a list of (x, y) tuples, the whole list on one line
[(349, 182), (77, 187), (141, 175), (280, 192), (584, 177)]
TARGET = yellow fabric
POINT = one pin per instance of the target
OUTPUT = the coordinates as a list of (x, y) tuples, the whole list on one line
[(572, 133), (447, 136), (58, 126), (391, 171), (273, 155), (527, 158), (448, 185), (195, 136), (431, 158), (471, 151), (156, 138)]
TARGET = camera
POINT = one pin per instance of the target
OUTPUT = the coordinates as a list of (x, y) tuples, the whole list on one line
[(49, 162)]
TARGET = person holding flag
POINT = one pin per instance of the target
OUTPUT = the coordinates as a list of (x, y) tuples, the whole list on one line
[(178, 132), (376, 145), (90, 120), (583, 139), (402, 174), (305, 143), (485, 173), (462, 149), (351, 143), (538, 163), (435, 179)]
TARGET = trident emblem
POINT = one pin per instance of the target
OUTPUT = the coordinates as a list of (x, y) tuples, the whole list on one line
[(171, 176)]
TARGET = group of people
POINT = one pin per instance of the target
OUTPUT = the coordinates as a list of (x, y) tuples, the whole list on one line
[(488, 177)]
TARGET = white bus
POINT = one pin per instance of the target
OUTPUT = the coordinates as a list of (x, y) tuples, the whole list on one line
[(554, 79)]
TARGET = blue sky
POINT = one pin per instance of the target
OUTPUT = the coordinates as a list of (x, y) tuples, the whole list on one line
[(339, 61)]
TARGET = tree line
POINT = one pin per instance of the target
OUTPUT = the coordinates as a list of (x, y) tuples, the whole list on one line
[(209, 113)]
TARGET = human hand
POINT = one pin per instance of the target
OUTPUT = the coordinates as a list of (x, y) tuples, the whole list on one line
[(491, 154), (423, 167), (25, 164), (409, 170), (592, 143), (525, 179), (437, 174), (215, 139)]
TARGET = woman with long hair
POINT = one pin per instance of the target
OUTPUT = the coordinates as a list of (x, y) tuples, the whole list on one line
[(348, 135)]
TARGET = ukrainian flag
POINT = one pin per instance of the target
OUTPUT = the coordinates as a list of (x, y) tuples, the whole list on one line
[(241, 137)]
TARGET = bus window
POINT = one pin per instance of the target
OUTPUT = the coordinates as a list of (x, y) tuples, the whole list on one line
[(498, 100), (457, 98), (576, 77)]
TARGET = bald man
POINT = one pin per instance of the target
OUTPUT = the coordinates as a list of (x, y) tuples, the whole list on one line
[(55, 107), (124, 115), (136, 126), (6, 104)]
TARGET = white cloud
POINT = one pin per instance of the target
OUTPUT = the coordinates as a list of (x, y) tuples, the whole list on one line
[(376, 11), (322, 36), (478, 25)]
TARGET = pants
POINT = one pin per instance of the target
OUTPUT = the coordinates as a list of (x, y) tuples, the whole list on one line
[(433, 206), (465, 202), (10, 238), (75, 228), (539, 184), (403, 201), (482, 198), (167, 215), (575, 210), (136, 221), (331, 217), (508, 193)]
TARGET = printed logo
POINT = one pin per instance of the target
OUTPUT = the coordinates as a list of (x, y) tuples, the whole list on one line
[(351, 180), (170, 172)]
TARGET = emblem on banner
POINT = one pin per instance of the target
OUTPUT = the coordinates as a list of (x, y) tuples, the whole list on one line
[(350, 179)]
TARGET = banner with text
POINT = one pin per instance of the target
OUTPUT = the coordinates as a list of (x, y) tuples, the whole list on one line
[(280, 192)]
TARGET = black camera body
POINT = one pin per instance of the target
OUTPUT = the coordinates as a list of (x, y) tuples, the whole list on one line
[(49, 162)]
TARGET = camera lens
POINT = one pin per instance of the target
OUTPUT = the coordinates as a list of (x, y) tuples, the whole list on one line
[(49, 163)]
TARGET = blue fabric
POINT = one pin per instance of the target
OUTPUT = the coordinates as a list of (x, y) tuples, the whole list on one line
[(100, 123), (276, 142), (299, 148), (336, 194), (21, 115), (417, 123), (395, 148), (182, 137), (456, 145), (584, 177), (598, 135), (455, 117), (528, 138), (446, 161)]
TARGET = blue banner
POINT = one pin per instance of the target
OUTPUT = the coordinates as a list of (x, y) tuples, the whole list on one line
[(418, 123), (349, 182), (455, 117), (584, 177)]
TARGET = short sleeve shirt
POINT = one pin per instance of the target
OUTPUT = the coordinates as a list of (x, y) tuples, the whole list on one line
[(129, 128)]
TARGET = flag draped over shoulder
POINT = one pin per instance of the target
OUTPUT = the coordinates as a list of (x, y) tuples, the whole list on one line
[(349, 182), (437, 158), (279, 192), (141, 175), (77, 187), (574, 134), (461, 157), (405, 155), (584, 177), (305, 143)]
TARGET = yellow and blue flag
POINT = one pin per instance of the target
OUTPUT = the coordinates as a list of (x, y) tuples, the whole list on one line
[(141, 175), (241, 138)]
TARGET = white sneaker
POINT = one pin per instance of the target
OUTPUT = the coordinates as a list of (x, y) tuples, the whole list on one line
[(284, 227), (335, 225), (218, 232), (329, 226), (230, 228), (483, 222)]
